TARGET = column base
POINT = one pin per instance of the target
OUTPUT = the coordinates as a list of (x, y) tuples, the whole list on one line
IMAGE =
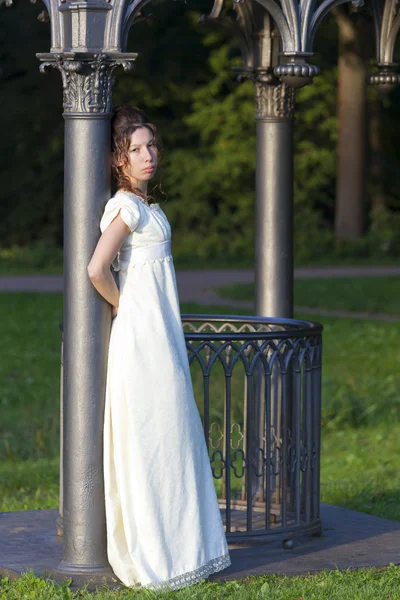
[(92, 576)]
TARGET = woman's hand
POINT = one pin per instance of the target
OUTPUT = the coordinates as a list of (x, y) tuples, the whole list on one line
[(114, 312)]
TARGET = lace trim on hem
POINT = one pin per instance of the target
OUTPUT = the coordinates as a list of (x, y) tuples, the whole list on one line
[(191, 577)]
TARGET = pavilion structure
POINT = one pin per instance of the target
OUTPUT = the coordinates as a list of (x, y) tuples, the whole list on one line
[(88, 44)]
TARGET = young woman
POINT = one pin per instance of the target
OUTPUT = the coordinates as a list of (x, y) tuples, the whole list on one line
[(164, 527)]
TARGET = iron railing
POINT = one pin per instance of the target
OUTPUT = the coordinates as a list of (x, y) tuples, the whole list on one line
[(257, 384)]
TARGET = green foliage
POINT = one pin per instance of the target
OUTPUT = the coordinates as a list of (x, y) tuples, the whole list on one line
[(315, 241), (31, 161), (315, 142), (384, 234), (41, 255), (184, 79), (212, 182)]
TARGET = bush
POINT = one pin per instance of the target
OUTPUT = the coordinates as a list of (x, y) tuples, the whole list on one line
[(40, 254), (315, 242)]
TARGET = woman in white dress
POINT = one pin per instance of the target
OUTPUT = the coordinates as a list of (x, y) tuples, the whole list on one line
[(164, 527)]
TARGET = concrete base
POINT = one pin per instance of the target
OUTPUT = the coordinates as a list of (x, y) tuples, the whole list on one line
[(28, 539)]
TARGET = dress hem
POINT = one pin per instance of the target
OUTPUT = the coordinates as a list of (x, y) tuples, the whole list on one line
[(191, 577)]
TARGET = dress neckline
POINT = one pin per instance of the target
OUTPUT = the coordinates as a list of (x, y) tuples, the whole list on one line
[(152, 206)]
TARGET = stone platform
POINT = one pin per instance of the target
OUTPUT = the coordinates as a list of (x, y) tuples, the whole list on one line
[(28, 539)]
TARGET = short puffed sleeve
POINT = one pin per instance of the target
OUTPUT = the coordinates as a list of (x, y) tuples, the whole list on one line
[(130, 212)]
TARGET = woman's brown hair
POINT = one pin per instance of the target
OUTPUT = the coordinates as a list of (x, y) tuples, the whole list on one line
[(125, 120)]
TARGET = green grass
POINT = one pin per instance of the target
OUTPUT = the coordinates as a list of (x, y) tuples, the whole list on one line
[(364, 584), (358, 471), (361, 367), (370, 294), (30, 375), (29, 484), (361, 372), (359, 456)]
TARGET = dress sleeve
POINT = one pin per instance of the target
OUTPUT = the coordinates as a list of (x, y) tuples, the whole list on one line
[(130, 212)]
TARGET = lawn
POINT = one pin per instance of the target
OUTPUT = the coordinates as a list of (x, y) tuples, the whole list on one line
[(364, 584), (361, 367), (359, 459), (369, 294)]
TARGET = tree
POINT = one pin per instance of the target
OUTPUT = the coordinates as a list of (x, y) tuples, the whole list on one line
[(350, 207)]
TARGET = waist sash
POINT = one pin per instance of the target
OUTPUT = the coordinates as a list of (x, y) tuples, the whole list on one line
[(130, 256)]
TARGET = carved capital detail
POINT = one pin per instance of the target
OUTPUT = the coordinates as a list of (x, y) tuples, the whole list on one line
[(87, 80), (274, 100)]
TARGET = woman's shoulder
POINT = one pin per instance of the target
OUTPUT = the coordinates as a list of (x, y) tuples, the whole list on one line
[(131, 212)]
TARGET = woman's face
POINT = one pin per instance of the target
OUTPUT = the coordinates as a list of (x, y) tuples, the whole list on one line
[(142, 155)]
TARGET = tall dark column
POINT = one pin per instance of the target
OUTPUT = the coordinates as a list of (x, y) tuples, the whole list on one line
[(274, 197), (87, 82)]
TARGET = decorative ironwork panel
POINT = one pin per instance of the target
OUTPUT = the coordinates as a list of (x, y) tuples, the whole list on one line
[(257, 383)]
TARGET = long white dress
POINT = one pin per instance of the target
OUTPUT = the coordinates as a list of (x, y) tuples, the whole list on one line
[(164, 528)]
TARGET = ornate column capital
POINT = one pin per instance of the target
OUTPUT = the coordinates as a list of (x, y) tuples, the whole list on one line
[(274, 100), (87, 78)]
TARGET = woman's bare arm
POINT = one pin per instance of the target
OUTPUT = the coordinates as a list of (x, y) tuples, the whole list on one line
[(99, 267)]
